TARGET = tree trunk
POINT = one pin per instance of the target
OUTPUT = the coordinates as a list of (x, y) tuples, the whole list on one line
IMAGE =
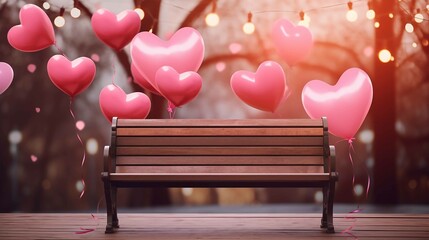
[(383, 109)]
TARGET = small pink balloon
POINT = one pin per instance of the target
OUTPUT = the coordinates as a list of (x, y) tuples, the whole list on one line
[(235, 48), (345, 104), (184, 52), (293, 43), (71, 77), (33, 158), (177, 88), (80, 125), (264, 89), (37, 109), (220, 66), (35, 32), (115, 30), (31, 68), (6, 76), (114, 102), (140, 80)]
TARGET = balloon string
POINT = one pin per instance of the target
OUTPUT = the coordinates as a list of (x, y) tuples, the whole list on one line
[(171, 110), (94, 218), (60, 50), (114, 71), (81, 143)]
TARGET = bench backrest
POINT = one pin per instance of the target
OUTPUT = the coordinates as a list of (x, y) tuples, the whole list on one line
[(219, 146)]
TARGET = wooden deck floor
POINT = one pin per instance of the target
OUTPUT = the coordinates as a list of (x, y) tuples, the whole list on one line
[(173, 226)]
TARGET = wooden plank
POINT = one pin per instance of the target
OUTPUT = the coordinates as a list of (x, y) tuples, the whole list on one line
[(218, 169), (218, 141), (220, 160), (219, 151), (220, 122), (231, 226), (221, 131), (201, 177)]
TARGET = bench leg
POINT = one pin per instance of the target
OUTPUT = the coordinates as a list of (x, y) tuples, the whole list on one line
[(330, 218), (115, 222), (109, 207), (324, 222)]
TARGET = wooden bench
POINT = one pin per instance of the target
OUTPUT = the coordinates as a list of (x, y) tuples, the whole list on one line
[(219, 153)]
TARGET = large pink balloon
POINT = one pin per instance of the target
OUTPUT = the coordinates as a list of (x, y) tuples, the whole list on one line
[(141, 81), (264, 89), (115, 30), (177, 88), (184, 52), (293, 43), (71, 77), (6, 76), (114, 102), (345, 104), (35, 32)]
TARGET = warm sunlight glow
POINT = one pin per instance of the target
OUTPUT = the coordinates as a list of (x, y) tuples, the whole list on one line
[(248, 28), (59, 21), (384, 56), (351, 15), (370, 14), (75, 12), (409, 27), (212, 19)]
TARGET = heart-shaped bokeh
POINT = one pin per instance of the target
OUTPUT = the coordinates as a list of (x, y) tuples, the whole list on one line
[(71, 77), (177, 88), (345, 104), (114, 102), (184, 52), (6, 76), (35, 32), (115, 30), (264, 89), (293, 43)]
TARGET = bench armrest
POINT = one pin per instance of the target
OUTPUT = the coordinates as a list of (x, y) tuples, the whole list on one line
[(332, 164)]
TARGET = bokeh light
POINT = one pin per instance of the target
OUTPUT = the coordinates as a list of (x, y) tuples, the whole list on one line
[(212, 19)]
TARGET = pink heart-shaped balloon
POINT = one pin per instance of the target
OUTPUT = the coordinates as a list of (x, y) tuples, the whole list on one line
[(345, 104), (71, 77), (140, 80), (35, 32), (115, 30), (293, 43), (264, 89), (114, 102), (177, 88), (184, 52), (6, 76)]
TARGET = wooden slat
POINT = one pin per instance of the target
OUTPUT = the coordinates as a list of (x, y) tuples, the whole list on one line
[(220, 160), (219, 151), (222, 131), (219, 169), (189, 177), (220, 122), (218, 141)]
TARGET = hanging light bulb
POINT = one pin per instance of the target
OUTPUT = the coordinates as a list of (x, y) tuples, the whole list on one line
[(370, 14), (46, 5), (385, 56), (418, 17), (376, 24), (212, 19), (304, 19), (75, 12), (414, 44), (60, 21), (351, 15), (249, 27), (391, 15), (409, 27), (140, 12)]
